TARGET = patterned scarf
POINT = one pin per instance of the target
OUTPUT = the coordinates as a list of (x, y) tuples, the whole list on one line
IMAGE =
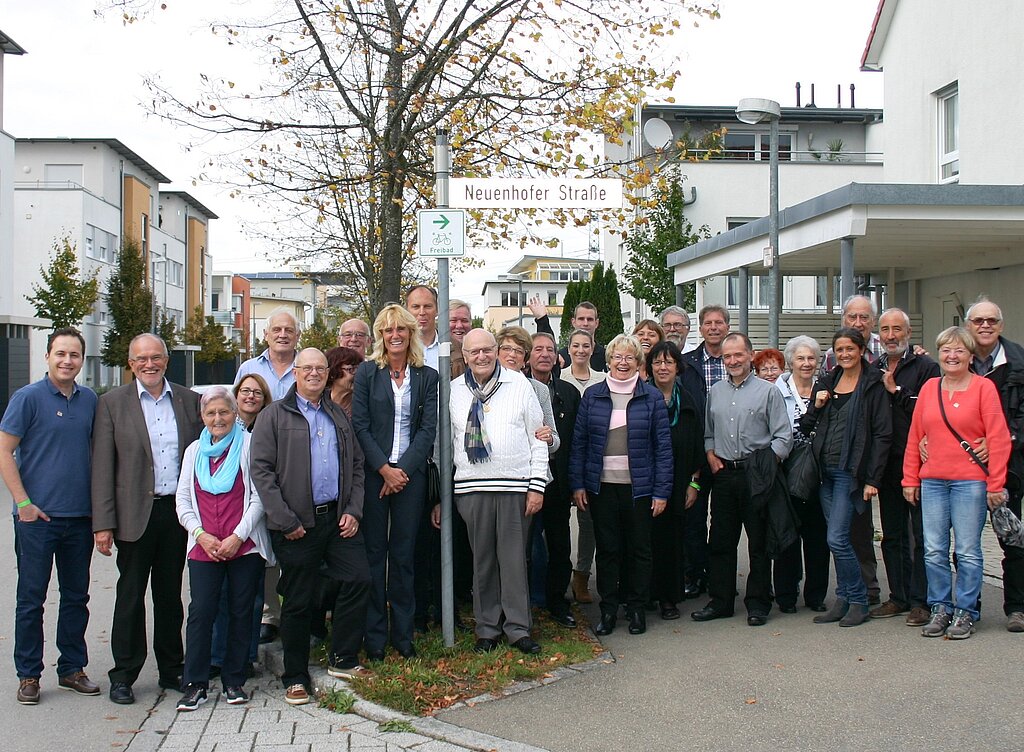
[(477, 445)]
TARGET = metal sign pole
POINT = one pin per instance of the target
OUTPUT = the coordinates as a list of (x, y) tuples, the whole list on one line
[(442, 168)]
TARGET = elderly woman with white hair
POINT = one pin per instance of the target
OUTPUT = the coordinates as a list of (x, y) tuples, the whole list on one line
[(803, 354), (228, 547), (620, 467)]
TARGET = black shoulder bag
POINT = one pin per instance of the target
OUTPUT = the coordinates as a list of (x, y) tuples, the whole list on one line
[(963, 442)]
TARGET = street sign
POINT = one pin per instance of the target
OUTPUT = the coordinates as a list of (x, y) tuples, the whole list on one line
[(536, 193), (440, 233), (768, 257)]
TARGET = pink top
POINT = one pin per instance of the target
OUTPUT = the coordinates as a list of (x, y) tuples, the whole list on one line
[(975, 412), (220, 513)]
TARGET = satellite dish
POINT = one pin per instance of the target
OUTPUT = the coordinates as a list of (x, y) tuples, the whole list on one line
[(657, 133)]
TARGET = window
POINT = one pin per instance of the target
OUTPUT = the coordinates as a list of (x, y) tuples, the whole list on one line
[(175, 273), (236, 303), (757, 291), (215, 301), (552, 297), (949, 135), (752, 147), (90, 251), (510, 299)]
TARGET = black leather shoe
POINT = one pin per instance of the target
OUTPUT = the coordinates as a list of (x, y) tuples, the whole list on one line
[(818, 607), (708, 613), (375, 655), (637, 622), (121, 693), (526, 645), (607, 625), (757, 620), (170, 682), (484, 645), (789, 608), (268, 633), (407, 652), (564, 618), (669, 612)]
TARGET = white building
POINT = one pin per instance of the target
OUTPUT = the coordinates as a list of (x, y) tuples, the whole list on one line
[(544, 276), (944, 222), (819, 149), (97, 192)]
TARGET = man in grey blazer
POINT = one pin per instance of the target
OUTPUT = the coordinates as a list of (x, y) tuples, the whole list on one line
[(140, 433)]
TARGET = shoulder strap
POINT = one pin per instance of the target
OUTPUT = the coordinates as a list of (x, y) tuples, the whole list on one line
[(964, 444)]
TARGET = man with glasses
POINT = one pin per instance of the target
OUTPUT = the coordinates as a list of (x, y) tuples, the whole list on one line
[(308, 469), (275, 363), (355, 335), (676, 323), (1001, 360), (140, 433)]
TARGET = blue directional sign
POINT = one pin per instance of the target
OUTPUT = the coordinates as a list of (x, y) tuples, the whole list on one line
[(441, 233)]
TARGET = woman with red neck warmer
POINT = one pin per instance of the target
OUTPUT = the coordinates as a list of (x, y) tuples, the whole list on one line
[(620, 467)]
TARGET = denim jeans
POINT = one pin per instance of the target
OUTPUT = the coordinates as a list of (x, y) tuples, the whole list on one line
[(960, 505), (68, 542), (837, 504)]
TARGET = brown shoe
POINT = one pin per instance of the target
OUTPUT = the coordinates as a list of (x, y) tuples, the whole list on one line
[(1015, 622), (296, 694), (918, 616), (28, 691), (580, 589), (79, 683), (887, 610)]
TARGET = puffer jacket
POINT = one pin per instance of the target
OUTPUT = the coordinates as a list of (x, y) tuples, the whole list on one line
[(650, 442)]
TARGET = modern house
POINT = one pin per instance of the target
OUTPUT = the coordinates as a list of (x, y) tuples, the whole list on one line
[(944, 221), (98, 193), (297, 291), (545, 276)]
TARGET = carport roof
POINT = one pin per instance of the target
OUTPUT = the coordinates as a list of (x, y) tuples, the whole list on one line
[(916, 230)]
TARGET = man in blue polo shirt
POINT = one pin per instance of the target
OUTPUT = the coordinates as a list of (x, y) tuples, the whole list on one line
[(45, 462)]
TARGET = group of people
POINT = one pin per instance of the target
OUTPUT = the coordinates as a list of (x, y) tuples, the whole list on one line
[(310, 486)]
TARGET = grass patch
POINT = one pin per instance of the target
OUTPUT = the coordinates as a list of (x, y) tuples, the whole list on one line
[(337, 700), (439, 677), (396, 725)]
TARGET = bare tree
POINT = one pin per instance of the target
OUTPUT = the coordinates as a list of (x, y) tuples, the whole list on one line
[(338, 133)]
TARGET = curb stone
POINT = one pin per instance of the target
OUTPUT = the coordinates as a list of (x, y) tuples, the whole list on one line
[(272, 658)]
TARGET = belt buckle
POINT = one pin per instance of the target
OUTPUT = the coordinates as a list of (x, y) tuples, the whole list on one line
[(321, 510)]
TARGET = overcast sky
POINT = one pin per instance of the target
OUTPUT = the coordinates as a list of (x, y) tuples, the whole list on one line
[(83, 74)]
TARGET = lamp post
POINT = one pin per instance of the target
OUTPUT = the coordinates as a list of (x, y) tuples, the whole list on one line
[(752, 112), (519, 278)]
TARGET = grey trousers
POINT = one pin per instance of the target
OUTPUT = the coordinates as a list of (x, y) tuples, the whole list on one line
[(498, 533)]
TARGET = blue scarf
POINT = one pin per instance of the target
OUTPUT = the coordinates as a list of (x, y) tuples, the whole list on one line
[(222, 480), (475, 441)]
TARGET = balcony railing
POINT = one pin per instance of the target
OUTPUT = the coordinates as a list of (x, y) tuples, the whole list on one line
[(814, 156)]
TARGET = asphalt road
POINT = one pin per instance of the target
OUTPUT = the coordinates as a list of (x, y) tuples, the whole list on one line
[(63, 720)]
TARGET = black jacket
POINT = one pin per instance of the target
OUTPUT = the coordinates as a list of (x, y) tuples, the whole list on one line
[(872, 425), (695, 358), (565, 402), (1009, 379), (911, 374), (687, 449), (769, 494)]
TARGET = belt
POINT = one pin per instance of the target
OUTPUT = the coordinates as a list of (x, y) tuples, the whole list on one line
[(325, 508), (735, 464), (165, 497)]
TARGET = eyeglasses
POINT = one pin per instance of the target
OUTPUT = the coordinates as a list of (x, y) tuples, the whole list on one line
[(512, 349), (479, 351), (769, 369), (960, 351), (623, 358), (354, 335), (148, 359), (247, 392), (984, 321), (312, 369), (675, 326)]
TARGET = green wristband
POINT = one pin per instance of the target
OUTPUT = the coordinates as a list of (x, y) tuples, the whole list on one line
[(197, 532), (694, 485), (24, 503)]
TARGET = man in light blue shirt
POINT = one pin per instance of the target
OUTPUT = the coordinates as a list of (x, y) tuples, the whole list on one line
[(421, 302), (275, 364)]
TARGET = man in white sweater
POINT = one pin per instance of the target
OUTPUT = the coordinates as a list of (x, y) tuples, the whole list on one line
[(500, 475)]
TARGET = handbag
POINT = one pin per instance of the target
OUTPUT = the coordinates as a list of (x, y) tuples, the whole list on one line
[(964, 444), (803, 478), (433, 484)]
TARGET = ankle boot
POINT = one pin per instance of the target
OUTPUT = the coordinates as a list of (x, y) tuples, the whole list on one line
[(580, 589), (857, 614), (836, 612)]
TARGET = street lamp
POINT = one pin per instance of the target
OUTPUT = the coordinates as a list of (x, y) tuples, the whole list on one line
[(752, 112), (519, 278)]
